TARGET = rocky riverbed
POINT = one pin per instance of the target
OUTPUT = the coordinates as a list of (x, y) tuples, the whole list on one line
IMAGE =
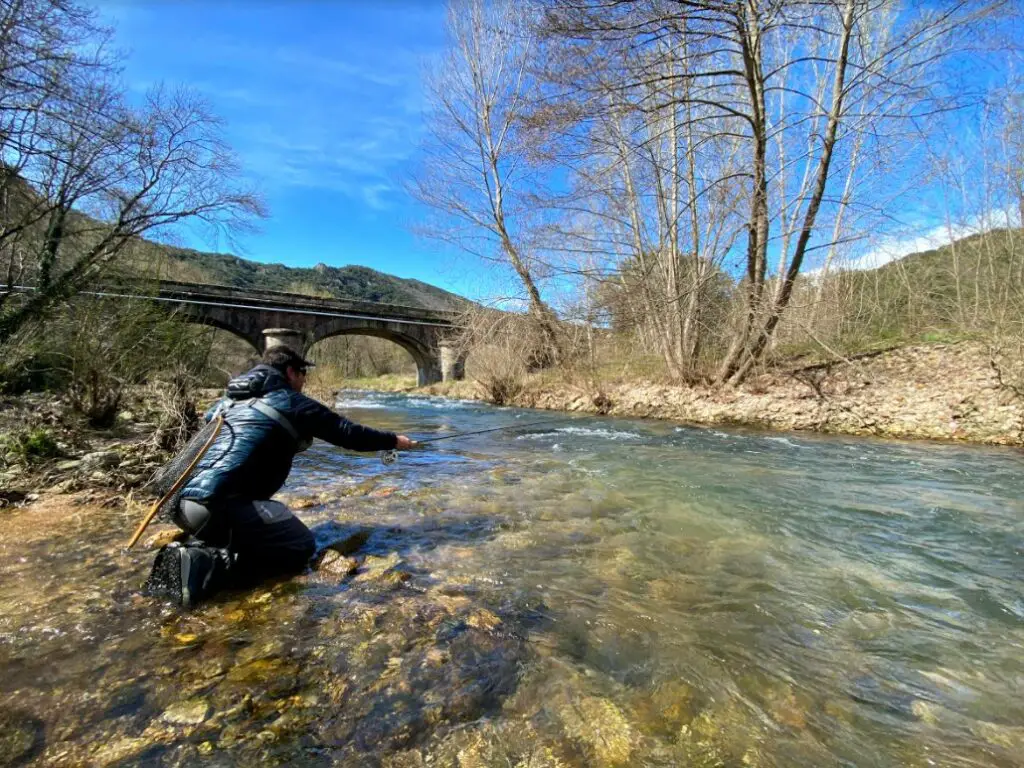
[(590, 592), (372, 659)]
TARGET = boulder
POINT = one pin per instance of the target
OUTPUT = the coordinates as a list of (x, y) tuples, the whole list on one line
[(101, 460)]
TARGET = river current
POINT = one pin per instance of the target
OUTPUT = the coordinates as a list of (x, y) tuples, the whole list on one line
[(583, 592)]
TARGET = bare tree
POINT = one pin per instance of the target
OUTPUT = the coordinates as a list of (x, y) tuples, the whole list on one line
[(86, 174), (657, 187), (477, 174), (800, 87)]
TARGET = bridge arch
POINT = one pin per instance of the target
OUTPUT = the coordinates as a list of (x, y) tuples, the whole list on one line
[(305, 320), (222, 325), (420, 347)]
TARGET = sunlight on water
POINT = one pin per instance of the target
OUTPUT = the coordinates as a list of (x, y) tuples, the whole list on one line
[(589, 592)]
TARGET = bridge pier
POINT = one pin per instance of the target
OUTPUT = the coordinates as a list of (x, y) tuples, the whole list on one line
[(428, 371), (453, 365), (284, 337)]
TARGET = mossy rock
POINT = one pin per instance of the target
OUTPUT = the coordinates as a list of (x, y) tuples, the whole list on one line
[(672, 705), (189, 712), (600, 726), (20, 737)]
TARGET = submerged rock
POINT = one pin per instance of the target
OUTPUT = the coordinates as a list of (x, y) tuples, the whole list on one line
[(672, 705), (349, 544), (509, 743), (1009, 737), (387, 571), (483, 619), (118, 750), (20, 735), (785, 708), (601, 728), (723, 733), (188, 712), (924, 711)]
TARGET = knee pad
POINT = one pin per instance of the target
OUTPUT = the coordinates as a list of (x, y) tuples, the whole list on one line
[(191, 516)]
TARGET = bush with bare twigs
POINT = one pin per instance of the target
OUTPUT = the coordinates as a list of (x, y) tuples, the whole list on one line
[(95, 350), (502, 349)]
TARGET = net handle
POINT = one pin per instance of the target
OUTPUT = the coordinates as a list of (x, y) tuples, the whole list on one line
[(176, 487)]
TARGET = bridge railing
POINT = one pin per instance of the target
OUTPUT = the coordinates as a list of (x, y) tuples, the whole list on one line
[(206, 292), (170, 286)]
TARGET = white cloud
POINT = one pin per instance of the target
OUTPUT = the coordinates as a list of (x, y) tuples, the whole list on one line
[(894, 247), (374, 195)]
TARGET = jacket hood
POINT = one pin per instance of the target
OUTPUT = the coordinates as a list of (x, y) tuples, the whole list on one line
[(255, 383)]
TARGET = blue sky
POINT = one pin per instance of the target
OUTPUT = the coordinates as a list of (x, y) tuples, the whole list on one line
[(323, 103)]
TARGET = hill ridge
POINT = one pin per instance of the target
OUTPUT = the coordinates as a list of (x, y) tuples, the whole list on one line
[(353, 281)]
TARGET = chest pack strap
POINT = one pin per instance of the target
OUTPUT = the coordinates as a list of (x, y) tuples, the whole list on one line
[(271, 412)]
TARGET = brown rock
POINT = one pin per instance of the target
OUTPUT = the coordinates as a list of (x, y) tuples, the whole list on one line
[(335, 563), (483, 619)]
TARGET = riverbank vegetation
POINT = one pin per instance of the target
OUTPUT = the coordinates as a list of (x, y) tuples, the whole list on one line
[(88, 168), (703, 186)]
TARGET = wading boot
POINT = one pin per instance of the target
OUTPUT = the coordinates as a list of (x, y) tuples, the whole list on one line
[(188, 574)]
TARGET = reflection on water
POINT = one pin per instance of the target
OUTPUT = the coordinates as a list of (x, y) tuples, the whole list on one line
[(585, 593)]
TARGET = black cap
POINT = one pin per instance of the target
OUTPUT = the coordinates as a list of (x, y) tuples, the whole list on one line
[(282, 358)]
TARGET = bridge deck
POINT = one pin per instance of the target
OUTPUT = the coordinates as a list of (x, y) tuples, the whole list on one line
[(201, 293)]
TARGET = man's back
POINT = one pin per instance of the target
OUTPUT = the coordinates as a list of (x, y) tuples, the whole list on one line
[(253, 453)]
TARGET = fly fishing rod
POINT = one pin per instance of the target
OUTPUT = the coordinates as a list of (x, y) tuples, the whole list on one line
[(390, 457)]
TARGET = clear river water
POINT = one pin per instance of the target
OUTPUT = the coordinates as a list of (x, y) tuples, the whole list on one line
[(586, 592)]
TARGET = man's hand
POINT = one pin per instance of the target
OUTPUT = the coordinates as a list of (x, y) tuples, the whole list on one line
[(404, 443)]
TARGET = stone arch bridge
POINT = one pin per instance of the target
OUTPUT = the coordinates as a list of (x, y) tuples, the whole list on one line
[(268, 318)]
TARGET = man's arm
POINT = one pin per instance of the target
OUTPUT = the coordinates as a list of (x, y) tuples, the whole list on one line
[(318, 420)]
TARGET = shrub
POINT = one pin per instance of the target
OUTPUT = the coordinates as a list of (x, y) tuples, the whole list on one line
[(28, 446), (93, 350), (502, 349)]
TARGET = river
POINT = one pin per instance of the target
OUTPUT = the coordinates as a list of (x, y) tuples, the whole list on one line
[(586, 592)]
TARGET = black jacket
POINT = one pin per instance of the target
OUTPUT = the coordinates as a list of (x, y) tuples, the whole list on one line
[(252, 455)]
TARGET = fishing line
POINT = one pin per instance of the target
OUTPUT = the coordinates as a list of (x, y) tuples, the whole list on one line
[(495, 429), (390, 457)]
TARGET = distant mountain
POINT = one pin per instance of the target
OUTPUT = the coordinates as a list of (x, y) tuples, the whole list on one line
[(352, 282)]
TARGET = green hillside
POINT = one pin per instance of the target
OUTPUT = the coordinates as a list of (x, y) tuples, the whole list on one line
[(971, 286), (353, 282)]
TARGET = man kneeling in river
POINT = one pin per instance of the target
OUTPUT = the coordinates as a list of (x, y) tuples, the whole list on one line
[(239, 535)]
